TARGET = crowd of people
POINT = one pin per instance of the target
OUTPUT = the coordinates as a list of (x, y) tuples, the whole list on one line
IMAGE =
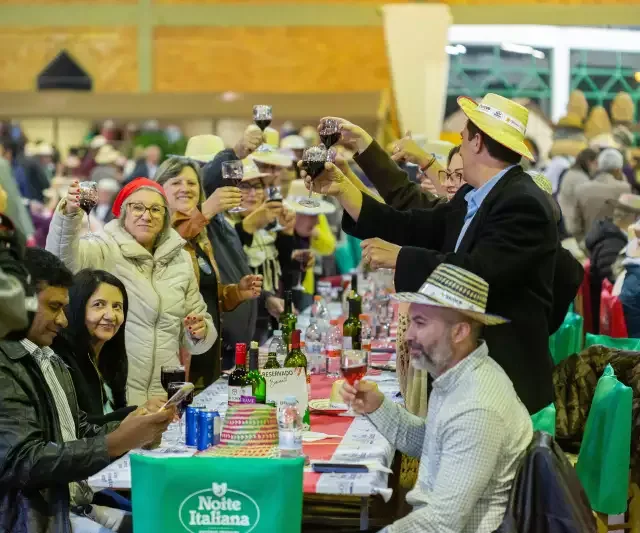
[(176, 264)]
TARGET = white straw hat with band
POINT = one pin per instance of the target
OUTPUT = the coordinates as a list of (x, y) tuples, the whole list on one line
[(203, 148), (502, 119), (453, 287)]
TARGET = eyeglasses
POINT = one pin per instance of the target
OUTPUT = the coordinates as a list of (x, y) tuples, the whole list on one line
[(138, 210), (455, 176), (246, 186)]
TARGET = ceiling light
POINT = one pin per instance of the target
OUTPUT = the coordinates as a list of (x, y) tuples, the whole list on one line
[(455, 49), (522, 49)]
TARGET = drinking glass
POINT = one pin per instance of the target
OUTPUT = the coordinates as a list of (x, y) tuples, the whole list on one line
[(232, 171), (262, 116), (274, 194), (172, 388), (171, 374), (354, 365), (329, 132), (88, 198), (313, 160), (302, 256)]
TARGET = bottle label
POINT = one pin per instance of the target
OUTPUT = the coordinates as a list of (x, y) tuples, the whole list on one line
[(334, 350), (314, 347), (236, 394), (248, 399), (347, 343), (290, 439)]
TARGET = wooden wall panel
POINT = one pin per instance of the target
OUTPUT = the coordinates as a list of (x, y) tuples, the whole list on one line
[(108, 54), (269, 59)]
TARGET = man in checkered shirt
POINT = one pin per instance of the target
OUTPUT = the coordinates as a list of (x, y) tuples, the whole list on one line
[(476, 430)]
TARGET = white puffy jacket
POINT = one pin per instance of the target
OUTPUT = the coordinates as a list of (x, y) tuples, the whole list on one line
[(162, 290)]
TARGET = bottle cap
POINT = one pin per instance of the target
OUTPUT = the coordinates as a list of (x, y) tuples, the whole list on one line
[(290, 400), (317, 298), (254, 345), (333, 322), (241, 353)]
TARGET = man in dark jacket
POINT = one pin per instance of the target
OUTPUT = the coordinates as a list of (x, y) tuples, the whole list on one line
[(500, 226), (46, 442)]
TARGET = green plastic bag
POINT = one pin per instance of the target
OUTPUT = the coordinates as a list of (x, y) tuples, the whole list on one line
[(216, 494), (603, 461), (545, 420), (568, 339), (610, 342)]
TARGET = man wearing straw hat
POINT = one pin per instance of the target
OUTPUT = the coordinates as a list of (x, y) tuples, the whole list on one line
[(499, 226), (476, 429)]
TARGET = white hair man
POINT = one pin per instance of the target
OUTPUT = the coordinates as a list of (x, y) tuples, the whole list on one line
[(476, 429)]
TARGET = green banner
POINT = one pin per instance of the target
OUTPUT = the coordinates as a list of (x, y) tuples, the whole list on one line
[(216, 495)]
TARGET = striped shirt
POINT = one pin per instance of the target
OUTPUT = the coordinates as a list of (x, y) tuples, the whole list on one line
[(470, 444), (80, 492)]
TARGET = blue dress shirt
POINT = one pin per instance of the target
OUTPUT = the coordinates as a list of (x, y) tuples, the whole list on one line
[(474, 200)]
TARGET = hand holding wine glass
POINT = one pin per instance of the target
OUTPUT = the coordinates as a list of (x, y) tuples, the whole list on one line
[(288, 221), (406, 149), (251, 139), (364, 397), (222, 199), (232, 173), (331, 181), (351, 135), (72, 204), (329, 132)]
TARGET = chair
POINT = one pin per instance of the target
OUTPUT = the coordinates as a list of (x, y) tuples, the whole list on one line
[(604, 457)]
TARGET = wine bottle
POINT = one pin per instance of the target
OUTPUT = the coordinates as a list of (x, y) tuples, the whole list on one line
[(258, 383), (287, 319), (297, 359), (352, 328), (239, 385)]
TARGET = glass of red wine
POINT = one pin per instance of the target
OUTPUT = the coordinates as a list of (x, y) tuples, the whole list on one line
[(232, 172), (313, 160), (171, 374), (274, 194), (302, 256), (354, 365), (329, 132), (262, 116), (88, 198), (172, 388)]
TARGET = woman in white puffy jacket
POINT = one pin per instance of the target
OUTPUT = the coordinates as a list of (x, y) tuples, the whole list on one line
[(166, 310)]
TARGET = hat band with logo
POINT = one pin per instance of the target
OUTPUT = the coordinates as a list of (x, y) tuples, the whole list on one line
[(504, 117)]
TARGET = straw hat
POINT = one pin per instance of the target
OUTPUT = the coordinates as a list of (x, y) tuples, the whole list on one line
[(597, 123), (501, 119), (107, 155), (271, 137), (439, 149), (604, 140), (622, 108), (570, 120), (293, 142), (97, 142), (452, 287), (569, 147), (628, 202), (250, 170), (204, 148), (298, 191), (578, 104), (249, 430), (269, 155)]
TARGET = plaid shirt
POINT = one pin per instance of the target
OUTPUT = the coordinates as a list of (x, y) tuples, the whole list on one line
[(470, 445)]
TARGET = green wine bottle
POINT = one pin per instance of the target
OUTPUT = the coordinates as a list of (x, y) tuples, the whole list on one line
[(258, 383), (297, 359), (288, 320), (352, 328)]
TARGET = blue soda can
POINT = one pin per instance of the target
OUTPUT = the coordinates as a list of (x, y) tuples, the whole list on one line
[(206, 428), (191, 418)]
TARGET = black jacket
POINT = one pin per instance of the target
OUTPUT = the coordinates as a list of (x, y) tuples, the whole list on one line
[(36, 466), (604, 243), (89, 386), (400, 192), (511, 243), (547, 496)]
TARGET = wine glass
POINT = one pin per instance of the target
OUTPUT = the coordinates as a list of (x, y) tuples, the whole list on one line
[(171, 374), (88, 198), (354, 365), (262, 116), (274, 194), (233, 172), (302, 256), (172, 388), (329, 132), (313, 160)]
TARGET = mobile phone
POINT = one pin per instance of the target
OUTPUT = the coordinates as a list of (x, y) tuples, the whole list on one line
[(180, 395), (326, 467)]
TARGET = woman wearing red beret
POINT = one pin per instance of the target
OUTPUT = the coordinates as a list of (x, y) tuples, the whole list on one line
[(166, 309)]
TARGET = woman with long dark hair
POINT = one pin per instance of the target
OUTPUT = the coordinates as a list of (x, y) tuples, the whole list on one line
[(93, 346)]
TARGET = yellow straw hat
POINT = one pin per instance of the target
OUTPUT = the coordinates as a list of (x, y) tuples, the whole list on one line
[(203, 148), (501, 119)]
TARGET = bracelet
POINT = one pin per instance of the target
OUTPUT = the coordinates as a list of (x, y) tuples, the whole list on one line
[(426, 167)]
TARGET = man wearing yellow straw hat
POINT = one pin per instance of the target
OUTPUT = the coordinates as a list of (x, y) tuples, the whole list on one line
[(499, 226)]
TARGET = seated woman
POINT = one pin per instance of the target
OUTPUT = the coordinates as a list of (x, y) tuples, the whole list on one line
[(166, 311), (93, 346), (191, 213)]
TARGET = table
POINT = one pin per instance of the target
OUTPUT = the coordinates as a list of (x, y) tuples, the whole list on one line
[(360, 442)]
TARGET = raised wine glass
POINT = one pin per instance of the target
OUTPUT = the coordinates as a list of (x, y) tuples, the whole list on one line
[(232, 172), (354, 365), (173, 387), (302, 256), (313, 160), (262, 116), (274, 194), (171, 374), (88, 199), (329, 132)]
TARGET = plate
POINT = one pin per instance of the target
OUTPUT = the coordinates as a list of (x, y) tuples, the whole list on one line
[(324, 406)]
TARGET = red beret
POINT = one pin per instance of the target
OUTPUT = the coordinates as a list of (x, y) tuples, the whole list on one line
[(130, 188)]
